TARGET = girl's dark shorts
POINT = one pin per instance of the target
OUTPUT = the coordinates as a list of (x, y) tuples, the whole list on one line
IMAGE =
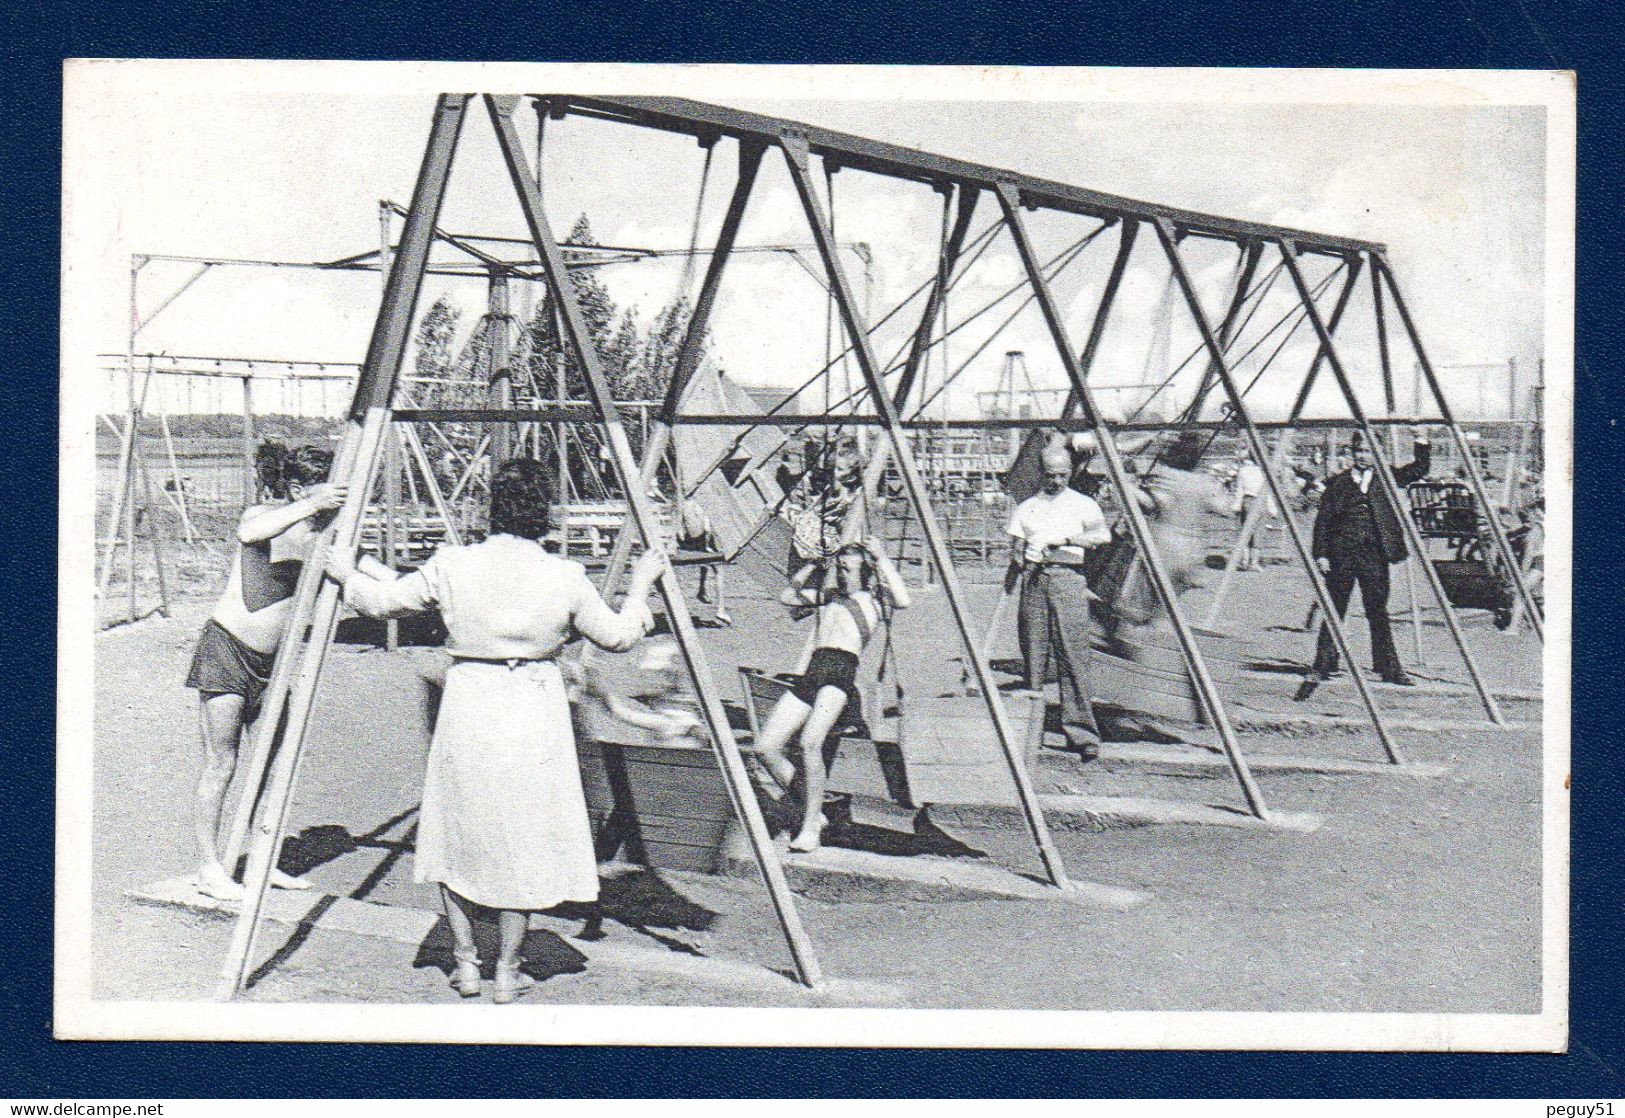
[(224, 665), (829, 667)]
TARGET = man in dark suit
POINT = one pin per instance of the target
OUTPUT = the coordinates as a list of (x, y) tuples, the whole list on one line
[(1357, 537)]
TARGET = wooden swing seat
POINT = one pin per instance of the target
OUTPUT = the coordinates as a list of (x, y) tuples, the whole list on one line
[(1152, 678), (948, 754), (653, 802)]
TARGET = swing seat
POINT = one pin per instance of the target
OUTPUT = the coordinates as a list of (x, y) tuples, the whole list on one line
[(655, 802), (951, 753), (1159, 649), (1473, 584), (1144, 690), (947, 753), (858, 764), (1145, 672), (660, 805)]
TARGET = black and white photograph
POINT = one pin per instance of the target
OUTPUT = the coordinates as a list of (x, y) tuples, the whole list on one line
[(871, 556)]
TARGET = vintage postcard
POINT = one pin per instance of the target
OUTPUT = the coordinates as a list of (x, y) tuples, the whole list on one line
[(815, 555)]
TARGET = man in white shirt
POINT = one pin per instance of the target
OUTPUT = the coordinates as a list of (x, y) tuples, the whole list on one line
[(1050, 532)]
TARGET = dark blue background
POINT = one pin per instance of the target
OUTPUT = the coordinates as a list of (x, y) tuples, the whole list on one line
[(1464, 33)]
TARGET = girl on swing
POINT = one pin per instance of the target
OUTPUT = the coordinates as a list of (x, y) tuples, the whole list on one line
[(849, 606)]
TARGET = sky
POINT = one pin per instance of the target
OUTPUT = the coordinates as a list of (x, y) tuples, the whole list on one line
[(1457, 192)]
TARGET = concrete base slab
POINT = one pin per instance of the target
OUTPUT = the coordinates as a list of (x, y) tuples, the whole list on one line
[(410, 926), (322, 911), (722, 974), (1174, 759), (1270, 722), (837, 874), (1422, 687), (1069, 811)]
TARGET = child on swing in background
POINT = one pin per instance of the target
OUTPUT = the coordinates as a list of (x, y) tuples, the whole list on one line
[(237, 649), (695, 532)]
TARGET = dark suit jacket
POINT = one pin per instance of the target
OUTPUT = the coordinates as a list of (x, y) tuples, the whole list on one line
[(1341, 491)]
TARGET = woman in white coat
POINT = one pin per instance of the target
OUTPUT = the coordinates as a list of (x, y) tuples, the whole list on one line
[(504, 821)]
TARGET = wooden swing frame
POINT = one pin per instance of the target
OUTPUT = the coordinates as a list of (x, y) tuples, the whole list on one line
[(280, 733)]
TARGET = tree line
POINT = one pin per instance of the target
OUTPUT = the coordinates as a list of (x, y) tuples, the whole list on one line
[(454, 365)]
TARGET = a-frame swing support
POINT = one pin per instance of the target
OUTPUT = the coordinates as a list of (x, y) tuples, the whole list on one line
[(720, 733), (1283, 449), (1207, 691), (280, 733), (311, 628), (1390, 485), (1219, 374), (1260, 453), (751, 150), (285, 713)]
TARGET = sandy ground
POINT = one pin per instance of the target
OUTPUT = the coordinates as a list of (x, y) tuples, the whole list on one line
[(1415, 896)]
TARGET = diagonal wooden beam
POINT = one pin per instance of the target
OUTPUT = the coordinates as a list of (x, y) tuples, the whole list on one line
[(794, 146), (967, 197), (1255, 443), (688, 355), (294, 680), (580, 342), (1250, 253), (858, 514), (1332, 324)]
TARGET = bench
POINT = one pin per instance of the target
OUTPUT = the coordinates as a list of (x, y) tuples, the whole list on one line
[(590, 529)]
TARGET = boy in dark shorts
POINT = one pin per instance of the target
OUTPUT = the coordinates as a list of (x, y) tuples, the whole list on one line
[(237, 649)]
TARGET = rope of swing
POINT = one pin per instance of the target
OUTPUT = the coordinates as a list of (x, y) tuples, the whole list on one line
[(1052, 270), (1192, 411), (1256, 297), (686, 280), (980, 242), (1303, 315)]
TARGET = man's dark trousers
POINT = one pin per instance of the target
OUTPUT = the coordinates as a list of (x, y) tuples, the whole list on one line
[(1369, 569), (1358, 532), (1052, 625)]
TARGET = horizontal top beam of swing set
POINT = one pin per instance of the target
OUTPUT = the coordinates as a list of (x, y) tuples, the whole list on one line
[(584, 414), (588, 257), (584, 257), (841, 149), (618, 251)]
